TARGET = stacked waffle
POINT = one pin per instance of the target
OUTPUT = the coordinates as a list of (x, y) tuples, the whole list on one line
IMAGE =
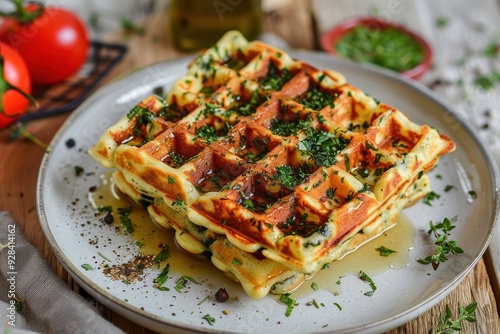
[(267, 165)]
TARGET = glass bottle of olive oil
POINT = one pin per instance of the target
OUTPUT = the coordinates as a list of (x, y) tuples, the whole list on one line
[(198, 24)]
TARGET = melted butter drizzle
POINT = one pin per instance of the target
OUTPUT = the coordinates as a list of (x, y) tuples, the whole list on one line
[(366, 258), (150, 238)]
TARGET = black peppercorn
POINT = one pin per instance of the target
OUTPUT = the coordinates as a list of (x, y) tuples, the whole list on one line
[(221, 295), (108, 218), (70, 143)]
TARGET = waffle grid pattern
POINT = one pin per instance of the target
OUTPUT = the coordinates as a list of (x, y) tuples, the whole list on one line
[(257, 153)]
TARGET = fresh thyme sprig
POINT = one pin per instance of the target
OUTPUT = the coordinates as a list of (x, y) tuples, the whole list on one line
[(447, 326), (444, 246)]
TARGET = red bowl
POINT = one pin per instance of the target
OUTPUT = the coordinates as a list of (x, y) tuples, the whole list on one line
[(330, 38)]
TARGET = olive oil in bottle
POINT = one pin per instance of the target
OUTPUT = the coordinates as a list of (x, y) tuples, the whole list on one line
[(198, 24)]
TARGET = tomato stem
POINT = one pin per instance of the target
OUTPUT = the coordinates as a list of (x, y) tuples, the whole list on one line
[(21, 15), (6, 86), (19, 130)]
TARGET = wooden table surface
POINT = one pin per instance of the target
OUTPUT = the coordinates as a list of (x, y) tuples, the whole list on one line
[(20, 161)]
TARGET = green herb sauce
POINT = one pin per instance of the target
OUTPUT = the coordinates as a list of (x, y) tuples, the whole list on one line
[(387, 47)]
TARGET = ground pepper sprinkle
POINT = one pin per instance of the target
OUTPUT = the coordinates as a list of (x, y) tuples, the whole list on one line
[(130, 271)]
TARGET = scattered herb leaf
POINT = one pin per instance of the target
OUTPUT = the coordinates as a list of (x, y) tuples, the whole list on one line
[(125, 218), (163, 254), (289, 301), (492, 50), (385, 251), (487, 82), (442, 21), (181, 282), (209, 319), (449, 187), (430, 197), (103, 256), (87, 266), (106, 209), (364, 277), (78, 170), (162, 278)]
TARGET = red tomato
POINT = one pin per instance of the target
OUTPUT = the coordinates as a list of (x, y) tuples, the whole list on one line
[(16, 74), (55, 45)]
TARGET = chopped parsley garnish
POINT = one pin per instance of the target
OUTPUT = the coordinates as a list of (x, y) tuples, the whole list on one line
[(492, 50), (316, 99), (330, 193), (177, 159), (210, 108), (275, 79), (163, 254), (430, 197), (207, 90), (206, 133), (290, 302), (347, 163), (444, 246), (87, 266), (385, 251), (449, 187), (364, 277), (246, 201), (236, 261), (472, 194), (103, 256), (143, 117), (487, 82), (106, 209), (281, 128), (288, 177), (170, 180), (442, 21), (162, 278), (125, 219), (314, 286), (248, 108), (322, 146), (178, 202), (209, 319), (181, 282), (78, 170), (315, 303)]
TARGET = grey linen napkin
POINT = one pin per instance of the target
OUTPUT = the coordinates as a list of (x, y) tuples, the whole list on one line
[(49, 305)]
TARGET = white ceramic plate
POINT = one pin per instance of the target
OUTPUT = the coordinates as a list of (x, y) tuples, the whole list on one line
[(402, 293)]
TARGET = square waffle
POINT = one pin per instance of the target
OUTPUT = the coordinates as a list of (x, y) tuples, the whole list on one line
[(261, 158)]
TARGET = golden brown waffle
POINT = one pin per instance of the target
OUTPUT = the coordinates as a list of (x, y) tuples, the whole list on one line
[(264, 159)]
